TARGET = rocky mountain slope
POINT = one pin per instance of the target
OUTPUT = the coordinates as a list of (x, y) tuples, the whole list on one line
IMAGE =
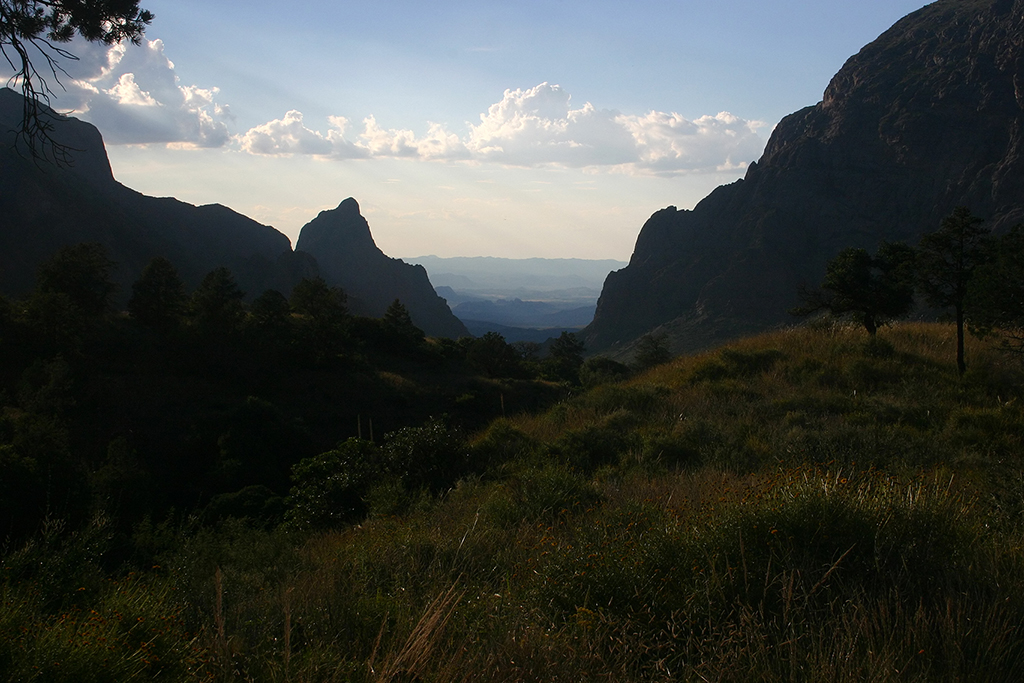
[(44, 206), (927, 117), (341, 242)]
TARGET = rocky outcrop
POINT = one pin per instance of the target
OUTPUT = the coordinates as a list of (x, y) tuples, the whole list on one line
[(341, 242), (927, 117)]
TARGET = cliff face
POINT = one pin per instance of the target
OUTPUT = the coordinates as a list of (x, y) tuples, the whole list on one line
[(341, 242), (44, 207), (927, 117)]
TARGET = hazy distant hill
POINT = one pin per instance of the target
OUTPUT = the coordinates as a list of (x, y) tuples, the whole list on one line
[(927, 117), (516, 277), (530, 294)]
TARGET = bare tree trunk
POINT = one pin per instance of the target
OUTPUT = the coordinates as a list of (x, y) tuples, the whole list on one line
[(961, 366)]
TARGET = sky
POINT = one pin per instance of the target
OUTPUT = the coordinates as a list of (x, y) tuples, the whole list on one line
[(489, 128)]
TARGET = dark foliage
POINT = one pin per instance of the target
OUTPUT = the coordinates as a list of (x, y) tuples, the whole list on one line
[(995, 295), (201, 405)]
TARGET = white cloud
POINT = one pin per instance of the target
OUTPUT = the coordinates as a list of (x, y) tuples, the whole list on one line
[(670, 143), (537, 127), (437, 144), (133, 95), (285, 136)]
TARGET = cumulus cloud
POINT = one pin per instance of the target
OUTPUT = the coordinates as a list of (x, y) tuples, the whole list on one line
[(133, 95), (537, 127), (670, 143), (285, 136)]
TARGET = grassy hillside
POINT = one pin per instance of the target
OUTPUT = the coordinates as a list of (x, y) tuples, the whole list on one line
[(807, 505)]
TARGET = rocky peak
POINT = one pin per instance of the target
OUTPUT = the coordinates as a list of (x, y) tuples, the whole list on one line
[(343, 246)]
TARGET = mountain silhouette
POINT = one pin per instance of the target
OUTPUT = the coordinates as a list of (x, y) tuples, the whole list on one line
[(927, 117), (342, 245), (45, 206)]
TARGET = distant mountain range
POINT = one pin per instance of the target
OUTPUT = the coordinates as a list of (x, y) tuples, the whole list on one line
[(927, 117), (44, 206), (518, 277), (521, 299)]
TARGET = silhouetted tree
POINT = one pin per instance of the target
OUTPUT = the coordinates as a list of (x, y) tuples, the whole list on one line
[(947, 259), (217, 305), (565, 358), (313, 297), (269, 313), (492, 356), (34, 29), (871, 289), (398, 320), (323, 314), (271, 331), (82, 273), (158, 296)]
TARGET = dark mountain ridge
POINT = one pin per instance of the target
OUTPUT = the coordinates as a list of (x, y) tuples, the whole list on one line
[(44, 206), (925, 118)]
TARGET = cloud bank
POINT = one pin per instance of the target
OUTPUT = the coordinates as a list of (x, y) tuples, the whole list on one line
[(535, 128), (133, 95)]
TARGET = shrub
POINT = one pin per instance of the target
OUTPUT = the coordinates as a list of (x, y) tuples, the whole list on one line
[(330, 488), (431, 457)]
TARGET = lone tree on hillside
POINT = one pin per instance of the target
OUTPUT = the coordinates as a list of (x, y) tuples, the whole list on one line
[(947, 260), (871, 289), (31, 32)]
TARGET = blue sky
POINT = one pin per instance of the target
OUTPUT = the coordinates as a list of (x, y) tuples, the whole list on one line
[(511, 129)]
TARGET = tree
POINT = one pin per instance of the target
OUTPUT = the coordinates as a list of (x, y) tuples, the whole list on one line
[(82, 273), (397, 319), (323, 314), (871, 289), (651, 350), (158, 296), (565, 358), (217, 304), (314, 298), (493, 356), (995, 295), (34, 29), (947, 260)]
